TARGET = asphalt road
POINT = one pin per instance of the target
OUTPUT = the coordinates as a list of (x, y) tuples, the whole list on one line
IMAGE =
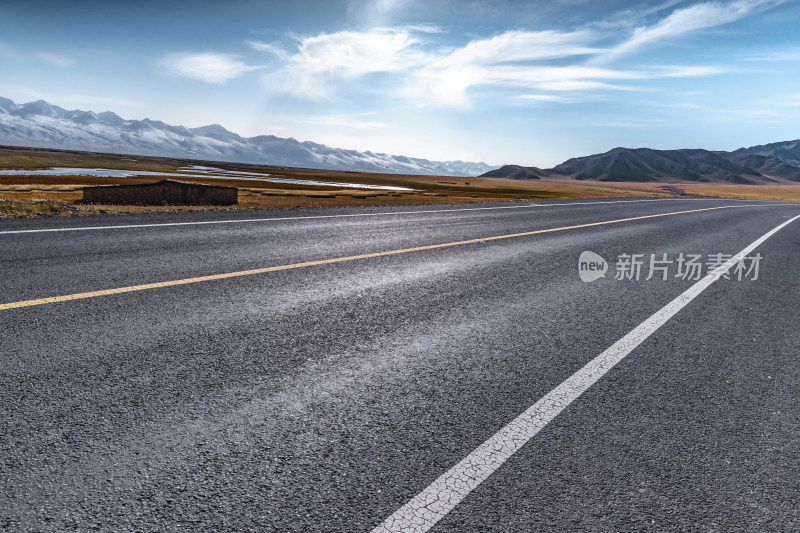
[(325, 397)]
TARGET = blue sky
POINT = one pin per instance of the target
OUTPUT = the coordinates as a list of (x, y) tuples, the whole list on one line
[(531, 83)]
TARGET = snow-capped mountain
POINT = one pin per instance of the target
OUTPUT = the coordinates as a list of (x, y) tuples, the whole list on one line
[(40, 124)]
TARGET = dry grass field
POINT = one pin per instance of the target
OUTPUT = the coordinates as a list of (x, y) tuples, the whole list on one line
[(26, 195), (786, 193)]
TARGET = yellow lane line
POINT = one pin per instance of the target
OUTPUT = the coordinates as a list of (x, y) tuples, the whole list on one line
[(200, 279)]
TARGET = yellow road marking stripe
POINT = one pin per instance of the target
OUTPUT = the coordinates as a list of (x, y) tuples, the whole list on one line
[(200, 279)]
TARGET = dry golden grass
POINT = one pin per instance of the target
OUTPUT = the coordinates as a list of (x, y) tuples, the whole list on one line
[(28, 208), (269, 195), (38, 158), (786, 193), (38, 187)]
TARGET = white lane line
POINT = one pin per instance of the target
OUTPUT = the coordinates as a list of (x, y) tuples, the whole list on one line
[(425, 509), (311, 217)]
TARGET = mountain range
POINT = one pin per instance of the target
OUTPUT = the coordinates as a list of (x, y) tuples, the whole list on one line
[(769, 163), (40, 124), (43, 125)]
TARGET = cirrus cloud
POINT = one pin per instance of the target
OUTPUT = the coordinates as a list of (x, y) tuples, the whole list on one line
[(209, 67), (687, 20), (345, 56), (425, 66)]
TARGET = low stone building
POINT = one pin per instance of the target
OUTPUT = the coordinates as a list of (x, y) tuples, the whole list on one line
[(165, 192)]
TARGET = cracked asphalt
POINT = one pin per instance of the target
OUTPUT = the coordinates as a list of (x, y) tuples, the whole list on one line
[(324, 398)]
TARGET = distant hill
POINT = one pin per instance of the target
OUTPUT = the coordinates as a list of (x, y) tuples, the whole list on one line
[(43, 125), (767, 165), (772, 163), (786, 151), (644, 165), (515, 172)]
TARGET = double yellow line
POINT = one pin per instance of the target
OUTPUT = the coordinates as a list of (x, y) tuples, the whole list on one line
[(201, 279)]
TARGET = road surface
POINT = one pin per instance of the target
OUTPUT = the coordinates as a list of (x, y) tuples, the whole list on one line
[(358, 369)]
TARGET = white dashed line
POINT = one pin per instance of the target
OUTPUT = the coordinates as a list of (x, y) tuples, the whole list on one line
[(351, 215), (424, 510)]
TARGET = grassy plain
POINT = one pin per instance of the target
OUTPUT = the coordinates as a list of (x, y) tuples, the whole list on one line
[(22, 195)]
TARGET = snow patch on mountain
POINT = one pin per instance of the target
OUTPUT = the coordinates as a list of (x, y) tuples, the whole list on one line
[(41, 124)]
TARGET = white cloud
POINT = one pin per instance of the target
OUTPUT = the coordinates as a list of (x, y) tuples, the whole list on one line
[(506, 59), (209, 67), (631, 17), (515, 59), (539, 62), (424, 28), (352, 54), (688, 71), (517, 46), (687, 20), (792, 54), (562, 84), (544, 98), (449, 86), (346, 55), (56, 60), (540, 97), (258, 46)]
